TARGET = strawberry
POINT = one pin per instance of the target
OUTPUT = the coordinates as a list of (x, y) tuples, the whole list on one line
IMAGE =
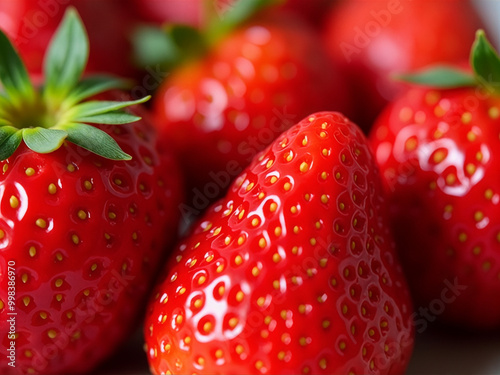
[(371, 39), (33, 22), (293, 271), (86, 211), (255, 81), (439, 152)]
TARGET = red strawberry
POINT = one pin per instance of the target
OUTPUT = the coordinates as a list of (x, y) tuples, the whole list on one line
[(109, 24), (83, 225), (371, 39), (292, 272), (439, 153), (254, 83)]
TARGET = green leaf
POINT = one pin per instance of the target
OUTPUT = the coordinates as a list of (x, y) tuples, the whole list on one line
[(168, 47), (66, 58), (439, 76), (43, 140), (485, 61), (95, 140), (13, 74), (227, 15), (111, 118), (94, 85), (10, 139), (93, 108)]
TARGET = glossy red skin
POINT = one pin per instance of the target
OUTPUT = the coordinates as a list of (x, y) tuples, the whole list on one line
[(258, 81), (418, 33), (446, 227), (109, 24), (126, 263), (289, 293)]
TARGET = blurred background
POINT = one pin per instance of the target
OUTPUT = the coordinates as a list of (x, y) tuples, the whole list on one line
[(438, 350)]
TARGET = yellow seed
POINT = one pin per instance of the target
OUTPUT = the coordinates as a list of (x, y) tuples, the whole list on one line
[(255, 271), (198, 303), (322, 363), (75, 239), (451, 179), (466, 117), (325, 152), (255, 222), (233, 322), (269, 164), (238, 260), (324, 198), (478, 216), (58, 283), (488, 194), (470, 168), (259, 364), (219, 353), (59, 256), (52, 189), (241, 240), (325, 324), (207, 327), (262, 243), (411, 144), (71, 168), (29, 172), (462, 237), (239, 349), (277, 231), (342, 345), (293, 209), (287, 186), (24, 278), (304, 167), (471, 136), (2, 234), (52, 334), (112, 215), (5, 168), (439, 156), (14, 202), (494, 112), (239, 296), (82, 215), (276, 257), (88, 185), (304, 141), (261, 301), (93, 267), (41, 223)]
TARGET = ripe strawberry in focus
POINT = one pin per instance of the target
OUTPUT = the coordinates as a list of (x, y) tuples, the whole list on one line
[(86, 214), (439, 152), (254, 82), (293, 271), (372, 39), (109, 25)]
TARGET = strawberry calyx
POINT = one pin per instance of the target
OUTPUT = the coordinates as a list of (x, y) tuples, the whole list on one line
[(174, 44), (45, 117), (485, 70)]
